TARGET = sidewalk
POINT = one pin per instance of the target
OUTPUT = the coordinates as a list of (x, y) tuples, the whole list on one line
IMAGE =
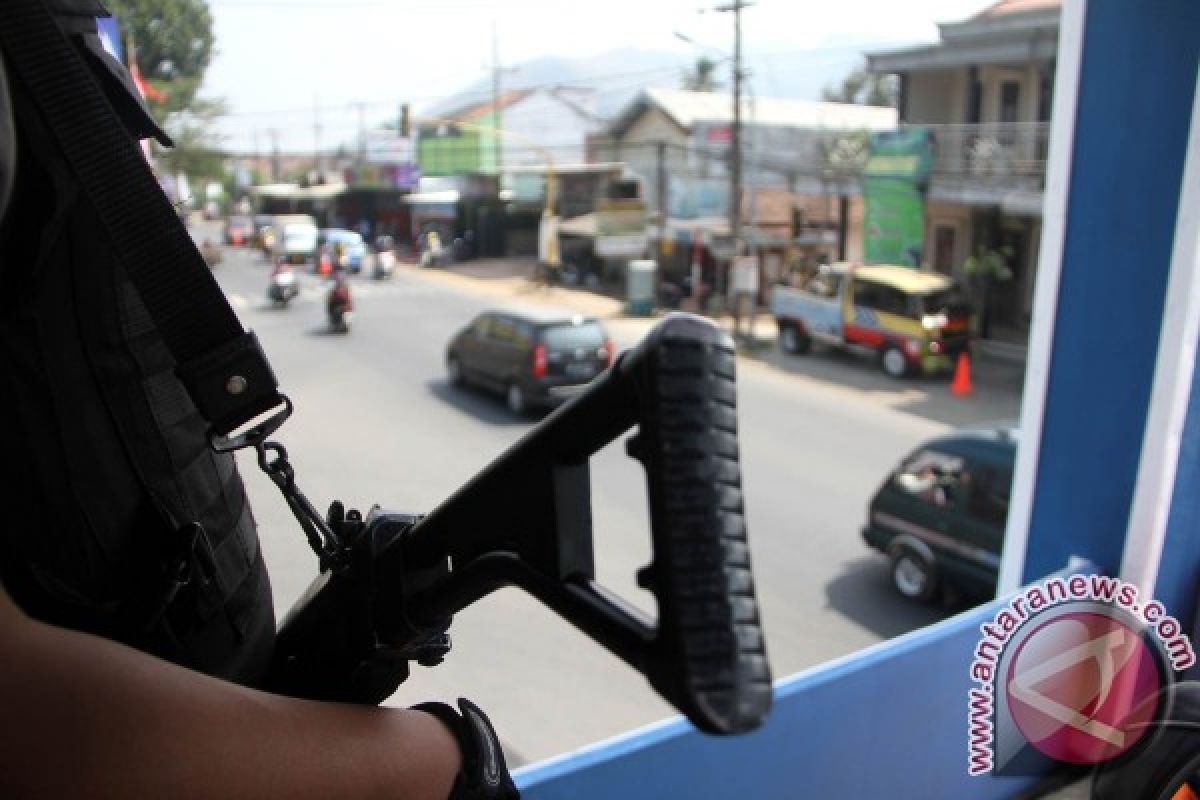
[(513, 279), (997, 379)]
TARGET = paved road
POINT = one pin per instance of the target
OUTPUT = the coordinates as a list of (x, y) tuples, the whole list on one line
[(377, 423)]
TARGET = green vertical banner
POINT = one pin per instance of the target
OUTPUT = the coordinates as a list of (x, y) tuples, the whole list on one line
[(894, 190)]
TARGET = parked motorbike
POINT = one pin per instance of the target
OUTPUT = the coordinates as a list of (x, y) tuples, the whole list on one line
[(339, 305), (283, 285), (385, 258)]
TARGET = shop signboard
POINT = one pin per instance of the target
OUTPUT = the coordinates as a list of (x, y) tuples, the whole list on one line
[(388, 148), (894, 182), (383, 176), (621, 228)]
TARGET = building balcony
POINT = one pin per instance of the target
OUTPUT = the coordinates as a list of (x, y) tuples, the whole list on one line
[(990, 164), (1010, 151)]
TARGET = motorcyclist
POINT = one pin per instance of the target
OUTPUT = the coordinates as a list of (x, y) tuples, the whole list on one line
[(341, 258), (432, 256), (339, 301)]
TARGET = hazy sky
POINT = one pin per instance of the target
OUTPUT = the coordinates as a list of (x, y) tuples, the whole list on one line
[(276, 59)]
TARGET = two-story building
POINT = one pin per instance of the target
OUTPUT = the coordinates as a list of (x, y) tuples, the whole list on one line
[(984, 91), (679, 143)]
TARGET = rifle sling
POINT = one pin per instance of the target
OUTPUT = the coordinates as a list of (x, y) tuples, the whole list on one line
[(222, 365)]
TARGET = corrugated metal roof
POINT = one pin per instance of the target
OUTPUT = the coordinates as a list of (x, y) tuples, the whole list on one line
[(479, 110), (688, 108)]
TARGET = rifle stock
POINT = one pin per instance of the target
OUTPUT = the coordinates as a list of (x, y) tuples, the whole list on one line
[(525, 520)]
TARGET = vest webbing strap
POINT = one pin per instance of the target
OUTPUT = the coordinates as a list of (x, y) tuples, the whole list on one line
[(203, 333)]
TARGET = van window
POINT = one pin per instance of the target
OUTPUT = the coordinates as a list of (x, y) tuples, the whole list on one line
[(987, 494), (931, 476), (878, 297), (951, 302)]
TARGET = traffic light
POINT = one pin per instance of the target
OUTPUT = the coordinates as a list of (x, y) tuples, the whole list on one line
[(405, 120)]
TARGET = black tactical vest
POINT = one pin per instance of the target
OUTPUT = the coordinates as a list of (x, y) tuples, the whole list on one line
[(116, 517)]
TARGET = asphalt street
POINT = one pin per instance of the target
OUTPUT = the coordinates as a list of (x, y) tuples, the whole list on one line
[(377, 423)]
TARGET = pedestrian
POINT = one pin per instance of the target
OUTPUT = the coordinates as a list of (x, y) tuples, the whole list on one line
[(136, 619)]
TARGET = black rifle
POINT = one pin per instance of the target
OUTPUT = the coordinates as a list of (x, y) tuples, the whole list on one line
[(391, 582)]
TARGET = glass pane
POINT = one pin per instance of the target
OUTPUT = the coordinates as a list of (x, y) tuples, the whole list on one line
[(566, 337)]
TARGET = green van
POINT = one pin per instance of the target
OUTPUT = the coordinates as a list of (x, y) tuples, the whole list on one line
[(940, 515)]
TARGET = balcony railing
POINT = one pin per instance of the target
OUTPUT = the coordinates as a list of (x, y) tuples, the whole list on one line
[(1000, 152)]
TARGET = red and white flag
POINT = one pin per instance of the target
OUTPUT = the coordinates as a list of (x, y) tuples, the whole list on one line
[(148, 91)]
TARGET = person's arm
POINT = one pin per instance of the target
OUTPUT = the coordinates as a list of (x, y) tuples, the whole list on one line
[(86, 717)]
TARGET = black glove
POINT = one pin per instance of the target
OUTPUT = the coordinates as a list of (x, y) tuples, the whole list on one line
[(484, 775)]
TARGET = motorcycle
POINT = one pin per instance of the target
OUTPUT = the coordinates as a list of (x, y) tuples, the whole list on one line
[(282, 286), (385, 258), (339, 305)]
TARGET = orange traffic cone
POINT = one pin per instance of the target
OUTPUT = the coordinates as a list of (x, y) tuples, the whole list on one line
[(961, 385)]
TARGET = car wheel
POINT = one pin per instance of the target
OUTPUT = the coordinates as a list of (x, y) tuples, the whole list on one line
[(913, 574), (894, 363), (514, 397), (454, 371), (793, 340)]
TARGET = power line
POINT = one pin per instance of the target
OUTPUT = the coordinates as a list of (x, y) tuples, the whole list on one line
[(474, 94)]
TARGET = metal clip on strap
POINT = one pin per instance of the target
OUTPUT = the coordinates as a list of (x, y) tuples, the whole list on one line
[(321, 538), (231, 385), (255, 436)]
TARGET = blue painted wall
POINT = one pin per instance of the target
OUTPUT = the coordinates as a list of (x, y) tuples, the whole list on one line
[(889, 722), (1134, 108), (1178, 581)]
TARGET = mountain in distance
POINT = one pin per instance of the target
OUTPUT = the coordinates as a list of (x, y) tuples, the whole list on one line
[(618, 75)]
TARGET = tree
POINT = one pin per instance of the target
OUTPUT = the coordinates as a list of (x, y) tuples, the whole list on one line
[(197, 151), (702, 77), (172, 41), (864, 89), (980, 273)]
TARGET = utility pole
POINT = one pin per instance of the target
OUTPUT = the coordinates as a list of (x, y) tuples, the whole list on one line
[(275, 166), (317, 166), (660, 191), (497, 114), (735, 138), (362, 132)]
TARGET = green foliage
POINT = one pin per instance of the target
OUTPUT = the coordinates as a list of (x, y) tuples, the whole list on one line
[(173, 42), (702, 77), (845, 153), (197, 151), (989, 265), (864, 89)]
